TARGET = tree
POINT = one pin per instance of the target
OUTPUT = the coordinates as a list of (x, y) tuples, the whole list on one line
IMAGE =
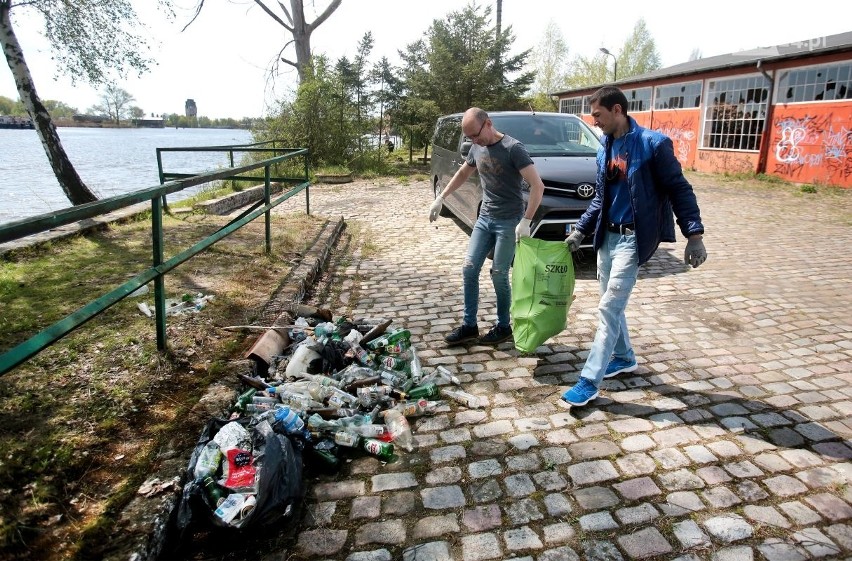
[(89, 38), (639, 54), (550, 61), (115, 103), (137, 112)]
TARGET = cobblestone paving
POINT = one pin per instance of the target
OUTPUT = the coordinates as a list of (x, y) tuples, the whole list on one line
[(730, 442)]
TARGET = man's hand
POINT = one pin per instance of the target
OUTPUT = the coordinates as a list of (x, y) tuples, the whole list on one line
[(574, 239), (695, 253), (522, 230), (435, 209)]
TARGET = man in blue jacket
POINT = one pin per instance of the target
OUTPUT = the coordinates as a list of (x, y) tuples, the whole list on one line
[(639, 184)]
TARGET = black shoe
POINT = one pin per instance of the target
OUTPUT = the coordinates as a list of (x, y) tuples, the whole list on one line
[(497, 335), (462, 334)]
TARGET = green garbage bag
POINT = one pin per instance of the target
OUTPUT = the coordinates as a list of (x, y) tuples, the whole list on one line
[(542, 289)]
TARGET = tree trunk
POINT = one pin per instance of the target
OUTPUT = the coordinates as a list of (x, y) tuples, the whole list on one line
[(71, 184)]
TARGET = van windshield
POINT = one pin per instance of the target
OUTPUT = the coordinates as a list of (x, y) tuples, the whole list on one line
[(549, 135)]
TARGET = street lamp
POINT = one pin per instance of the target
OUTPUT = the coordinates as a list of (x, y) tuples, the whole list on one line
[(614, 63)]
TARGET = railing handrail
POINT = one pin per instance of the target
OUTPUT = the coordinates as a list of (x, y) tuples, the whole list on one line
[(37, 224)]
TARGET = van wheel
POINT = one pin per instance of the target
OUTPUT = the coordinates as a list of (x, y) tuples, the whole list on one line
[(445, 212)]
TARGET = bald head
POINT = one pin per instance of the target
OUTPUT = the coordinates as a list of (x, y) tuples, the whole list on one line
[(477, 126)]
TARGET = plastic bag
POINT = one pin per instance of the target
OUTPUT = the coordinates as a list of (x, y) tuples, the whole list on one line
[(542, 289), (280, 488)]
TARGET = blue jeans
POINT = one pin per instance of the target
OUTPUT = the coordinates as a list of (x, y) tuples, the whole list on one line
[(497, 234), (618, 268)]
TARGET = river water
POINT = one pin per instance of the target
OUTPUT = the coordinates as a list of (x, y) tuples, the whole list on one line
[(110, 161)]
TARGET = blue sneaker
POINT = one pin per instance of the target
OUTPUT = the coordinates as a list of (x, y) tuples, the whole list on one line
[(582, 393), (617, 366)]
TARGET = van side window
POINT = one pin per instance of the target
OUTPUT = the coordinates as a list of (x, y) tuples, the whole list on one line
[(447, 134)]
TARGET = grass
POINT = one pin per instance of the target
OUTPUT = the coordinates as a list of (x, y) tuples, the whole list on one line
[(84, 419)]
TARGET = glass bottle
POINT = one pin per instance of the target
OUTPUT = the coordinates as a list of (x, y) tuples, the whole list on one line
[(424, 390), (377, 448)]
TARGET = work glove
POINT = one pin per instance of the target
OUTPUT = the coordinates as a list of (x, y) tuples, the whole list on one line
[(435, 209), (695, 253), (522, 230), (574, 239)]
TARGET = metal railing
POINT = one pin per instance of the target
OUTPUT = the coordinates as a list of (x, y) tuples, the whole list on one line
[(170, 183)]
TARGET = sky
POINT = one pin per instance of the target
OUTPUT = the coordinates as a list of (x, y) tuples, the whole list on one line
[(222, 60)]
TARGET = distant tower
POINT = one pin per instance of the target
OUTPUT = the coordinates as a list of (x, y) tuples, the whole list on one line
[(191, 109)]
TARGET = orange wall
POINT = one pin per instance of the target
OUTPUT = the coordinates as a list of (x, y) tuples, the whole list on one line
[(726, 161), (812, 143), (682, 126)]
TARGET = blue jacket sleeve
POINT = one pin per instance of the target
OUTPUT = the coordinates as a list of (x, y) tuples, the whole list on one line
[(669, 177)]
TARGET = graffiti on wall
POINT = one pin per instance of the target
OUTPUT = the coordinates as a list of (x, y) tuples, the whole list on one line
[(810, 147), (723, 161), (682, 135)]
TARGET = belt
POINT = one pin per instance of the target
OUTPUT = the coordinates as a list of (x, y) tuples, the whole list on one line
[(623, 229)]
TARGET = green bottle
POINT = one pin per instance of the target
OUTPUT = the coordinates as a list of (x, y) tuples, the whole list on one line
[(214, 491), (426, 390), (379, 449), (243, 400)]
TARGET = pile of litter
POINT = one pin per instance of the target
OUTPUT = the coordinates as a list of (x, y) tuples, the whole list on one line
[(339, 389)]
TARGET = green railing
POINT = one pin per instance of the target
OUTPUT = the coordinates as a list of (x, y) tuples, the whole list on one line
[(170, 183)]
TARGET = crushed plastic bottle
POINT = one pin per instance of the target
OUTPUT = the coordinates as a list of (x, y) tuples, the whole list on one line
[(399, 429)]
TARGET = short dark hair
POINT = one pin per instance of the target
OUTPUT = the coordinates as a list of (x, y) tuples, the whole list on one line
[(608, 96)]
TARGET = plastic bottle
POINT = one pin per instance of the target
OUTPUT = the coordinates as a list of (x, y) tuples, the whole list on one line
[(341, 398), (393, 378), (467, 399), (416, 407), (284, 420), (377, 448), (399, 429), (208, 460), (447, 375), (320, 379)]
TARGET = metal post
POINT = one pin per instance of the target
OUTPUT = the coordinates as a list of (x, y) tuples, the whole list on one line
[(159, 281), (268, 213), (308, 188), (605, 51)]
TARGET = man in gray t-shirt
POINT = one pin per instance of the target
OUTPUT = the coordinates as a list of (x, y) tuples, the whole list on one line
[(503, 164)]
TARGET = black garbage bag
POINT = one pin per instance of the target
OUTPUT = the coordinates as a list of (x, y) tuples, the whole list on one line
[(280, 488)]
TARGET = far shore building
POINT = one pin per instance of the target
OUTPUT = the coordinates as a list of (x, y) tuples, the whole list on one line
[(190, 108), (784, 110)]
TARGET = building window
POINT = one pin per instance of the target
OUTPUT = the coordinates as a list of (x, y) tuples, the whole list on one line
[(587, 107), (638, 99), (735, 113), (816, 83), (678, 96), (572, 105)]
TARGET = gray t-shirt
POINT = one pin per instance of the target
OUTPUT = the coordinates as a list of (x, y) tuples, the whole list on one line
[(498, 166)]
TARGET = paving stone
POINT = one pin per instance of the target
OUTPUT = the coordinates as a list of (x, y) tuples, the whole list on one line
[(481, 546), (486, 491), (592, 472), (401, 502), (831, 507), (833, 450), (750, 491), (720, 497), (596, 498), (774, 549), (449, 496), (786, 437), (375, 555), (555, 455), (784, 486), (550, 481), (689, 534), (724, 449), (595, 550), (443, 475), (629, 426), (766, 515), (644, 543), (639, 488), (485, 468), (728, 409), (524, 441), (772, 462), (699, 454), (432, 551), (800, 513), (561, 532), (682, 502), (841, 534), (482, 518), (771, 420), (392, 481), (738, 424), (821, 477), (560, 436), (432, 526), (557, 504), (637, 463), (322, 541), (815, 542), (670, 458), (563, 553), (517, 539), (387, 532), (339, 490), (519, 485), (581, 451), (469, 417), (728, 528), (675, 436), (733, 553), (523, 511), (680, 480), (454, 436), (523, 462), (319, 514), (815, 432), (637, 443), (713, 475), (493, 429), (640, 514), (447, 454), (597, 521), (365, 507), (801, 458), (743, 470)]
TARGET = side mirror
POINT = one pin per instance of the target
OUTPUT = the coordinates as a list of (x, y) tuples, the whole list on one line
[(465, 149)]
